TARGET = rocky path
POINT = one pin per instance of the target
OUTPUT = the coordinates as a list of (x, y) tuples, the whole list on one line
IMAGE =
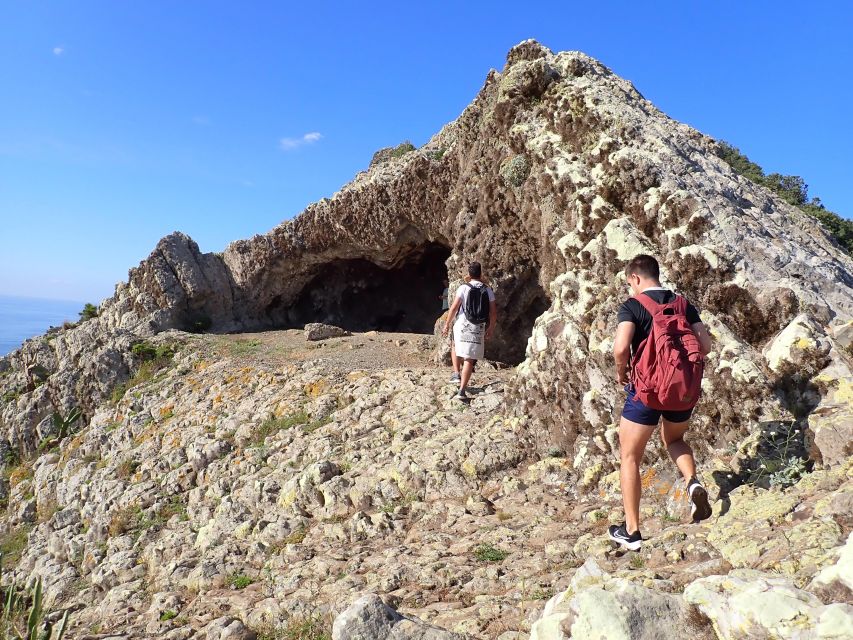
[(257, 479)]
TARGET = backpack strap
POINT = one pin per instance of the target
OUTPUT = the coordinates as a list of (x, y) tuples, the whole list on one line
[(648, 303), (651, 306)]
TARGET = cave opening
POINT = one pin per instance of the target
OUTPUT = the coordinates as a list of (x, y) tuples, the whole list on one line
[(359, 295)]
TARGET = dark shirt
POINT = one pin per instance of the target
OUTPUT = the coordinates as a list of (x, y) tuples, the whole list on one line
[(632, 311)]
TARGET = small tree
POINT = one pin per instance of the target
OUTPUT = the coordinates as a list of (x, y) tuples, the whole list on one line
[(89, 311)]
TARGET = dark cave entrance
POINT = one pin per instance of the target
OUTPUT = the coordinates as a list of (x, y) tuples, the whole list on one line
[(359, 295)]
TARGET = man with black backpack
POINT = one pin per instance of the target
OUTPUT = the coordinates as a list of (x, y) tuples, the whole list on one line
[(665, 341), (473, 314)]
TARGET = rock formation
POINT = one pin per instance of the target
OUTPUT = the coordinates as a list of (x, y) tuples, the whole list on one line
[(213, 460)]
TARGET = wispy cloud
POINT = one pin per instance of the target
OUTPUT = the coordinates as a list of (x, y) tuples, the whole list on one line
[(58, 51), (201, 121), (288, 144)]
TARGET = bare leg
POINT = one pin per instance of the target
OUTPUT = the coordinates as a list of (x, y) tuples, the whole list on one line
[(453, 357), (672, 434), (632, 444), (467, 370)]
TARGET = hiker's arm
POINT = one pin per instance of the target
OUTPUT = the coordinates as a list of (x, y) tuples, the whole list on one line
[(704, 336), (622, 349), (451, 314), (493, 319)]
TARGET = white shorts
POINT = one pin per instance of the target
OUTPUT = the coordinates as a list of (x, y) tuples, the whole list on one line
[(469, 340)]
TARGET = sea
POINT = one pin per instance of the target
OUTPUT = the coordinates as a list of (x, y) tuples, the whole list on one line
[(22, 318)]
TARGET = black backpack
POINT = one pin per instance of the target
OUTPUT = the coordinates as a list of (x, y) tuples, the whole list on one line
[(477, 304)]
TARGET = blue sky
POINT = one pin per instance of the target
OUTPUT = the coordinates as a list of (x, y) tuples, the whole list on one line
[(123, 121)]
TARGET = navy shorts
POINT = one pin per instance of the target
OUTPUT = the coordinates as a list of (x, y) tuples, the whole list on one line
[(636, 411)]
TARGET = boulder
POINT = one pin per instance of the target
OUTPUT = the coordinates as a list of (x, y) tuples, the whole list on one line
[(369, 618), (750, 604), (597, 605), (315, 331)]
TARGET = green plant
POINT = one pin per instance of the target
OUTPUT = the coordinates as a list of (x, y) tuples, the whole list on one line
[(316, 424), (542, 594), (792, 189), (17, 617), (488, 553), (63, 424), (239, 580), (402, 149), (89, 311), (168, 614), (299, 628), (13, 543), (637, 562), (780, 458), (788, 473), (273, 425)]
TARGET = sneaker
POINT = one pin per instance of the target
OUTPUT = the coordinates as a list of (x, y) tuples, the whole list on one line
[(455, 377), (700, 508), (619, 534), (461, 395)]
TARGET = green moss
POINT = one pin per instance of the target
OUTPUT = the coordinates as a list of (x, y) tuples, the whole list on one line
[(167, 615)]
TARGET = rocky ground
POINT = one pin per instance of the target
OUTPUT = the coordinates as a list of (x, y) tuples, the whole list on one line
[(253, 481)]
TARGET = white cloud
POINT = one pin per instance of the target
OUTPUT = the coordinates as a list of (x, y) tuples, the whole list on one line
[(292, 143), (58, 51)]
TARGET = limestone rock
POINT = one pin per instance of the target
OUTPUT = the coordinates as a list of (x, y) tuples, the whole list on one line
[(368, 618), (749, 604), (315, 331), (226, 628), (597, 605)]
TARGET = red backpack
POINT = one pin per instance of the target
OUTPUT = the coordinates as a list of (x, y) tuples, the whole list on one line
[(667, 368)]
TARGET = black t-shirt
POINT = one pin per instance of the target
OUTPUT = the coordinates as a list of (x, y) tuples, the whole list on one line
[(632, 311)]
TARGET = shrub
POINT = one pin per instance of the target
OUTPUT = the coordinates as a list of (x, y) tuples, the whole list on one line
[(402, 149), (239, 580), (792, 189), (299, 628), (488, 553), (89, 311), (167, 615)]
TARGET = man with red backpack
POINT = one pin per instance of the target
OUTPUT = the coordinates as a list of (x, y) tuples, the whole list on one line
[(662, 337)]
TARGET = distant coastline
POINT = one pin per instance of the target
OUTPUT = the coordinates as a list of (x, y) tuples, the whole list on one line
[(22, 318)]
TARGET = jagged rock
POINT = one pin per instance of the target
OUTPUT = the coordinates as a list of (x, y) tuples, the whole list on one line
[(368, 618), (839, 572), (597, 605), (319, 331), (831, 421), (226, 628), (749, 604)]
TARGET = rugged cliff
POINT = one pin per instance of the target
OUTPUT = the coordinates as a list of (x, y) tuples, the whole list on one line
[(556, 174)]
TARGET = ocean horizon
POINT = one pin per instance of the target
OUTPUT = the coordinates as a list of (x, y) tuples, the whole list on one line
[(22, 318)]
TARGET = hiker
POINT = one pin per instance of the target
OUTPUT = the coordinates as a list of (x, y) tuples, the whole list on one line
[(472, 310), (658, 332), (445, 296)]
